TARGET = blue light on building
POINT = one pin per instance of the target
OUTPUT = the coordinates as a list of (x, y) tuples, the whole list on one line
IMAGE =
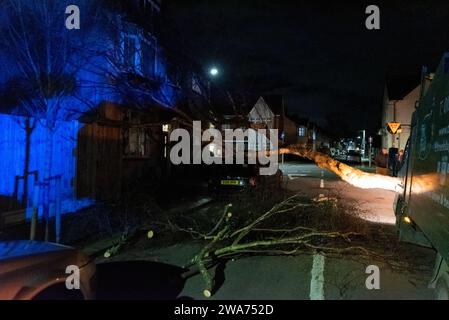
[(63, 163)]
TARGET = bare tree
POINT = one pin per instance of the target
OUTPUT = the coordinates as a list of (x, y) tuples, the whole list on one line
[(45, 67)]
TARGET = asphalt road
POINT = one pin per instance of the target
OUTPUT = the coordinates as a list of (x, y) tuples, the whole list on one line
[(294, 170), (313, 181), (315, 276), (302, 277)]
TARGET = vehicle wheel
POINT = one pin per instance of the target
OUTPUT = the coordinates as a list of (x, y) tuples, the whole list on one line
[(442, 290)]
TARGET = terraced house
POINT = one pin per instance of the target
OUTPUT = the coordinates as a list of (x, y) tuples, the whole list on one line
[(85, 112)]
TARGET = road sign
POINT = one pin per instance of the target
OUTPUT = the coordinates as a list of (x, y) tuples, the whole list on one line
[(393, 127)]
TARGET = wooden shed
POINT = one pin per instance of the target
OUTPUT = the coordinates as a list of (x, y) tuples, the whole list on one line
[(116, 149)]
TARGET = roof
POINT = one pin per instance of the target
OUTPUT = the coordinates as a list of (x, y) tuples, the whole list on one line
[(275, 102), (222, 104), (261, 111)]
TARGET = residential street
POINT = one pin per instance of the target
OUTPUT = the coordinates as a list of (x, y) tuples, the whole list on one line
[(303, 276), (194, 150), (377, 204)]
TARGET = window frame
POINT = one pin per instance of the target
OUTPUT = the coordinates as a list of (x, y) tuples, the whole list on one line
[(303, 130)]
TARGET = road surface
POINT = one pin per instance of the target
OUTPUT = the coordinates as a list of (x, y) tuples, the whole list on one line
[(313, 181), (303, 277)]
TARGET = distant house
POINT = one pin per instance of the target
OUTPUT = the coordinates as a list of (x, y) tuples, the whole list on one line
[(262, 115), (401, 96), (308, 134), (304, 133), (269, 112), (322, 139), (291, 131)]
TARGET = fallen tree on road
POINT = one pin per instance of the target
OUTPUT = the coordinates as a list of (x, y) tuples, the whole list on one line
[(293, 226), (353, 176)]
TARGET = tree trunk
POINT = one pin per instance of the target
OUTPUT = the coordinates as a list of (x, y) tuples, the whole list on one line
[(26, 165), (353, 176), (26, 199), (47, 179)]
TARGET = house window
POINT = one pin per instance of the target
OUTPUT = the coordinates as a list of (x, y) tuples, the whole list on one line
[(173, 74), (196, 86), (137, 142), (130, 51), (149, 59), (301, 131)]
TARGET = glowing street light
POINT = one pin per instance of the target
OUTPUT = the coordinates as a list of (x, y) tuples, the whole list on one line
[(213, 72)]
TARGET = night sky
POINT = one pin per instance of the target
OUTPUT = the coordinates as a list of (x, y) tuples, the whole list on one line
[(318, 53)]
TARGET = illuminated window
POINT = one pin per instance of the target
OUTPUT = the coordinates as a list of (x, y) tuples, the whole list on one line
[(301, 131), (165, 127)]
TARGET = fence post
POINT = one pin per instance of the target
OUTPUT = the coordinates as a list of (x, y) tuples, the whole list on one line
[(58, 209), (34, 208)]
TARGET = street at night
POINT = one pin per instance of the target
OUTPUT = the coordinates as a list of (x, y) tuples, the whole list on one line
[(224, 156), (273, 277)]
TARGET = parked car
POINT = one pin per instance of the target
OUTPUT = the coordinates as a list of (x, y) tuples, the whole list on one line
[(37, 270), (353, 156), (242, 177)]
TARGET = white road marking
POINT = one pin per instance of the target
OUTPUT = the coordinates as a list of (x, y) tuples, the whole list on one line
[(317, 278), (322, 179), (292, 176)]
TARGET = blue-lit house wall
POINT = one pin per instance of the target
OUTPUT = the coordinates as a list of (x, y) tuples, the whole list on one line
[(13, 142), (92, 89)]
